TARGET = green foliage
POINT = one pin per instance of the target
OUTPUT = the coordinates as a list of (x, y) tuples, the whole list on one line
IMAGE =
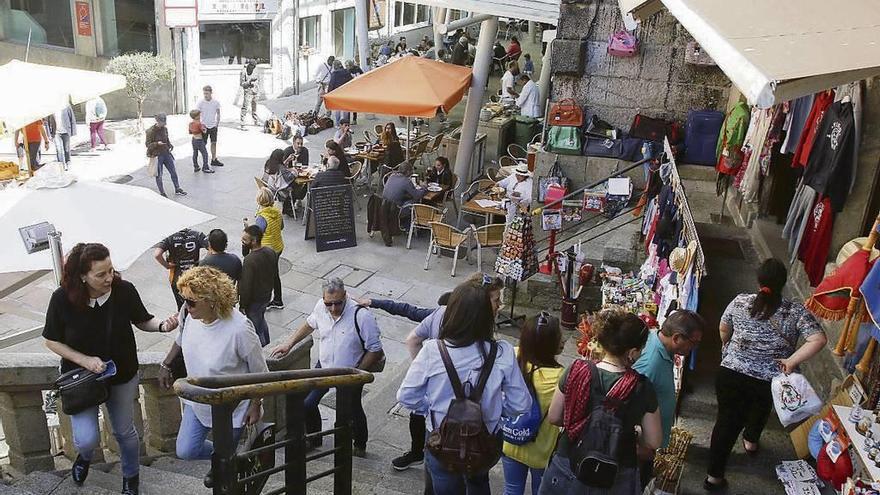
[(143, 71)]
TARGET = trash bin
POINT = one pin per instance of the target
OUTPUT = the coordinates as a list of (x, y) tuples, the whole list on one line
[(526, 129)]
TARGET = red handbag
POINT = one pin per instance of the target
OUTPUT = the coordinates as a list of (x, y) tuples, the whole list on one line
[(566, 113)]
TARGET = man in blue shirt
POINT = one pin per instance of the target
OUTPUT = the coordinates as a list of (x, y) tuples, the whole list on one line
[(680, 334)]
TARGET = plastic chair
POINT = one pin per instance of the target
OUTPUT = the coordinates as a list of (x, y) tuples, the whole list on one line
[(446, 237), (421, 218), (487, 236)]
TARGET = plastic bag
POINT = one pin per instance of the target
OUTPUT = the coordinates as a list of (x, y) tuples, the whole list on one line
[(794, 398)]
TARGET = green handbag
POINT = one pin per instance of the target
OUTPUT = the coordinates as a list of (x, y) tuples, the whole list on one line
[(564, 140)]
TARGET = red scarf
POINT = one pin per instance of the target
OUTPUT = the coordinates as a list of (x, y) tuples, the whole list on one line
[(577, 395)]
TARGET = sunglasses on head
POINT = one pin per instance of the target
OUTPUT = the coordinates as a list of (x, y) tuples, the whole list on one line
[(333, 303), (542, 321), (487, 280)]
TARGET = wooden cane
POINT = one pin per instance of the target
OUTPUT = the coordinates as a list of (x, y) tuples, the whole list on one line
[(855, 302), (854, 326), (840, 348), (865, 362)]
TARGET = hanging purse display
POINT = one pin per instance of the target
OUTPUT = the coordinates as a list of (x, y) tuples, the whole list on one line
[(82, 389), (565, 113), (564, 140)]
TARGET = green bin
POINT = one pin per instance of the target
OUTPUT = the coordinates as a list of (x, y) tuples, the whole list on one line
[(526, 129)]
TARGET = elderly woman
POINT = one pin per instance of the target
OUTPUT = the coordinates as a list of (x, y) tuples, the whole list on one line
[(759, 335), (215, 340), (88, 324)]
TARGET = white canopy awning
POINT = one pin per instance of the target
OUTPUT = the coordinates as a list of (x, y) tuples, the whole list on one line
[(774, 51), (530, 10)]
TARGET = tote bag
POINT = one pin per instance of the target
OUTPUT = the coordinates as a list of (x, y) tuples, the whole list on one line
[(564, 140), (152, 166)]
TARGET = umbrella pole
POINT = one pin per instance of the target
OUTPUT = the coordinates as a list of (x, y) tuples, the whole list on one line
[(27, 153), (408, 140), (854, 302)]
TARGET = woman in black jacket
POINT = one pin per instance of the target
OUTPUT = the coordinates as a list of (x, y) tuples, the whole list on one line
[(394, 155)]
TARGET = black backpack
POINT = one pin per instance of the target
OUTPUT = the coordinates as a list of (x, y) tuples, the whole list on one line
[(462, 443), (594, 456)]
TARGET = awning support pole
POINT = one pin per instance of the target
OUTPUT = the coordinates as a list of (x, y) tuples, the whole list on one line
[(439, 18), (362, 21), (467, 21), (544, 80), (482, 66)]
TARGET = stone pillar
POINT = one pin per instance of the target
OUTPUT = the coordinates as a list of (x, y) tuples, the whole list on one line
[(362, 28), (481, 69), (27, 433), (533, 26), (544, 80), (163, 416), (439, 18), (107, 429)]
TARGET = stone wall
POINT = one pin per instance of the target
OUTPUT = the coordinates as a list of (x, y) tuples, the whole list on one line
[(656, 82)]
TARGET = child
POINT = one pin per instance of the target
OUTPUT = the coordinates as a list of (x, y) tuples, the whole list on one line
[(197, 131), (528, 65)]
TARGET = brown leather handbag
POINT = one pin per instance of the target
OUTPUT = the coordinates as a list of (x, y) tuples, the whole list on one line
[(566, 113)]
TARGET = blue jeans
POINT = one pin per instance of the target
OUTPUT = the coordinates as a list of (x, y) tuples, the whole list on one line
[(166, 160), (120, 406), (256, 312), (192, 437), (199, 147), (515, 474), (447, 483), (359, 432)]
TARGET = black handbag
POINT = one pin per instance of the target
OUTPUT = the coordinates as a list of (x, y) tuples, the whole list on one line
[(82, 389), (603, 147)]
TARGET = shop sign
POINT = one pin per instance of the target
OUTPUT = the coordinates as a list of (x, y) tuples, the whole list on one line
[(83, 19), (213, 7)]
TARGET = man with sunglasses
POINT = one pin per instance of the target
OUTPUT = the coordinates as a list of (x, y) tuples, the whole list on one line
[(258, 274), (680, 334), (348, 337)]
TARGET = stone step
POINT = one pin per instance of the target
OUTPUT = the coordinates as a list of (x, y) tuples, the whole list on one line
[(11, 490), (163, 481), (192, 469), (41, 483)]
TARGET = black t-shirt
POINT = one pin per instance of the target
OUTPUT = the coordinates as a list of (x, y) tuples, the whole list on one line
[(302, 158), (641, 401), (182, 248), (227, 263), (85, 330)]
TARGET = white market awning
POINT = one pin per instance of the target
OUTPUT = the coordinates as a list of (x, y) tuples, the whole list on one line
[(775, 51), (530, 10)]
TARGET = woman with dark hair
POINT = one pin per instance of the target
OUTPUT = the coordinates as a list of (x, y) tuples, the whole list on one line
[(759, 335), (393, 150), (466, 334), (88, 324), (280, 181), (622, 336), (332, 148), (539, 343)]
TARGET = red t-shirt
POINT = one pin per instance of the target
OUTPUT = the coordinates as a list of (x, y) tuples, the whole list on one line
[(195, 128), (32, 132)]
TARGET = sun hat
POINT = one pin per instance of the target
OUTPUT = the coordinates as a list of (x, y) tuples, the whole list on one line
[(522, 169)]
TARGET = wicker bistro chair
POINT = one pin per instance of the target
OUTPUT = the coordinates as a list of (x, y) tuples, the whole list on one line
[(517, 152), (356, 179), (487, 236), (418, 151), (448, 238), (421, 218), (369, 137), (466, 195), (450, 193)]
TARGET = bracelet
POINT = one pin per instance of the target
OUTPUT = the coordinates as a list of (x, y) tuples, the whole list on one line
[(160, 327), (166, 367)]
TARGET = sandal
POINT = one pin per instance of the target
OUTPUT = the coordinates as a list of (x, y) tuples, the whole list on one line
[(714, 487)]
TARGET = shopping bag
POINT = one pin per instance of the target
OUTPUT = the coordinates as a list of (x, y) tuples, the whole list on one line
[(152, 166), (794, 398), (564, 140), (544, 183), (258, 435), (565, 113)]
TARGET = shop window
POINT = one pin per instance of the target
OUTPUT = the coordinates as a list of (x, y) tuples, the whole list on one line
[(44, 22), (235, 42), (310, 32), (127, 26), (406, 14)]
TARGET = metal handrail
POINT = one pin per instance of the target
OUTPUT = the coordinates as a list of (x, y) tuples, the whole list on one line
[(229, 389)]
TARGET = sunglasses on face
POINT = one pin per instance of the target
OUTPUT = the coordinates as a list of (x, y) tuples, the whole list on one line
[(331, 304), (190, 302)]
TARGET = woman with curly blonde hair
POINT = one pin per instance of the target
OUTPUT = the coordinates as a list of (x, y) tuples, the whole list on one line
[(215, 340)]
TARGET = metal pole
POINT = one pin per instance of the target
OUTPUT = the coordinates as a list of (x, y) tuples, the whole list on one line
[(482, 66), (296, 47), (467, 21), (362, 22), (408, 140), (544, 80), (57, 253)]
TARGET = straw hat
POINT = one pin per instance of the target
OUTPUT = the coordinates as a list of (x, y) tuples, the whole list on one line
[(678, 260), (851, 247), (522, 169)]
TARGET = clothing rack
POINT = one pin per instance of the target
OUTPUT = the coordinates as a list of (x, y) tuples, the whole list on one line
[(689, 228)]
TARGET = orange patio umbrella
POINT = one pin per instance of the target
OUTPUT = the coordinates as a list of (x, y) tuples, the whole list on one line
[(410, 87)]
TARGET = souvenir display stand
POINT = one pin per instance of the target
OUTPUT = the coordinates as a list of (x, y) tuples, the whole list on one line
[(517, 259)]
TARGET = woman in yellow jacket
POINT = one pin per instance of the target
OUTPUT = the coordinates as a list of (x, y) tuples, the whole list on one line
[(540, 342), (269, 219)]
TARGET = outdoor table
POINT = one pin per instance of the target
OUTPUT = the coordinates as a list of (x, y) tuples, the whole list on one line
[(473, 207), (435, 197), (306, 180)]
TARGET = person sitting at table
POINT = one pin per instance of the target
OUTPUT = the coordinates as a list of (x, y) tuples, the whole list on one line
[(400, 190), (332, 148), (279, 181), (401, 48), (343, 134), (518, 187), (393, 149), (296, 154), (332, 176), (440, 173)]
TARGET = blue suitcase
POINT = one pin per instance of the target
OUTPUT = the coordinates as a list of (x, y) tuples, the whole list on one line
[(701, 136)]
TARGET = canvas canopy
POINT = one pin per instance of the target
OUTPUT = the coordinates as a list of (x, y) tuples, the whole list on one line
[(775, 51), (410, 86), (29, 92)]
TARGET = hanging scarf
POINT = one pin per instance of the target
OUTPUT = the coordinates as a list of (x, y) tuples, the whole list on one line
[(577, 395)]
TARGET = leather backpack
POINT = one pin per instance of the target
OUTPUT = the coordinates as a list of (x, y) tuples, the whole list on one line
[(462, 443)]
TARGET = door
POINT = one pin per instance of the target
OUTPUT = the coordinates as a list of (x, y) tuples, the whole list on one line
[(343, 33)]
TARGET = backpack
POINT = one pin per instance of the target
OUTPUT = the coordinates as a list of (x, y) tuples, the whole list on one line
[(594, 455), (462, 443), (523, 429)]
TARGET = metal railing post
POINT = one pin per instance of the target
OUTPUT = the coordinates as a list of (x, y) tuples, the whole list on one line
[(295, 452), (222, 462), (342, 441)]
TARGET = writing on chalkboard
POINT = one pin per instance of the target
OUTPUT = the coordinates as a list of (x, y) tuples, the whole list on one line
[(333, 213)]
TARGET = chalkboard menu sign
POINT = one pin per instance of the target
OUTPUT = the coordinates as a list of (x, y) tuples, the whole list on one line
[(332, 218)]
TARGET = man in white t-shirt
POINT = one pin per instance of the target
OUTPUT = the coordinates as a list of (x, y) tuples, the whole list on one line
[(529, 98), (210, 109), (508, 81), (322, 77)]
